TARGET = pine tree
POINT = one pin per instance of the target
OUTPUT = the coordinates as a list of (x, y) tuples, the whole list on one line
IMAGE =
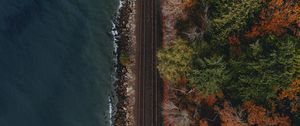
[(208, 75), (232, 17), (297, 62), (266, 67)]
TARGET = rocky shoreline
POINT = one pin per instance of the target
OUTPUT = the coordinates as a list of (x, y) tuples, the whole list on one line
[(125, 83)]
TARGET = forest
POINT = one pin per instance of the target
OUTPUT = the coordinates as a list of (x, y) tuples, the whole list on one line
[(231, 62)]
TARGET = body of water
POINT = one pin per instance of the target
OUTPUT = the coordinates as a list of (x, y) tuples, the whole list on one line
[(55, 62)]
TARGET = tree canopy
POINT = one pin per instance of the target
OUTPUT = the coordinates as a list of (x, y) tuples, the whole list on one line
[(239, 59), (174, 61)]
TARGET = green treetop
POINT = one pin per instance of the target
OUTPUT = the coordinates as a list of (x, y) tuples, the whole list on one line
[(232, 17), (175, 60), (267, 66), (297, 61), (209, 75)]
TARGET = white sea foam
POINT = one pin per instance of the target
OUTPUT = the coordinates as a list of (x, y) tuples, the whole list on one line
[(110, 104), (115, 33)]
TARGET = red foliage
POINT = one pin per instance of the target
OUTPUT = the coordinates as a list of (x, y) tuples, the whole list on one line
[(258, 115), (188, 3), (203, 123), (291, 93), (234, 40), (182, 81), (277, 18), (211, 100)]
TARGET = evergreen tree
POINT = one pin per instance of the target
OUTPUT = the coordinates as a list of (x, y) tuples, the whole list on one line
[(209, 75), (297, 62), (231, 17), (266, 67)]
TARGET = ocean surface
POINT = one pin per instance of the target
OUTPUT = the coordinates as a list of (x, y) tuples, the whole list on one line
[(56, 62)]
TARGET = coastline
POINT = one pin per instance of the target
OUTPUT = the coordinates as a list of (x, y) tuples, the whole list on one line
[(128, 65), (125, 68)]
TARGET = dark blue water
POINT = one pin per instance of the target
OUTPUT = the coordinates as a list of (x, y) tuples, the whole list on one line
[(55, 62)]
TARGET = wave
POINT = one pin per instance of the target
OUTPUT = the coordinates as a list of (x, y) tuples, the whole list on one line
[(115, 34)]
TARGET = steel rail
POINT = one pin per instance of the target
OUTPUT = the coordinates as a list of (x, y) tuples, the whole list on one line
[(147, 102)]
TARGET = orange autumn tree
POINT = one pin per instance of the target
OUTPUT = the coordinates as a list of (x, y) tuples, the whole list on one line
[(259, 116), (292, 94), (277, 18), (188, 3), (230, 116), (203, 123)]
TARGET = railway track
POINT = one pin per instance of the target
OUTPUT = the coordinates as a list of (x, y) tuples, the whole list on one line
[(149, 87)]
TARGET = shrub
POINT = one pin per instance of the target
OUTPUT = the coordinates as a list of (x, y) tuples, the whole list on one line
[(174, 61)]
